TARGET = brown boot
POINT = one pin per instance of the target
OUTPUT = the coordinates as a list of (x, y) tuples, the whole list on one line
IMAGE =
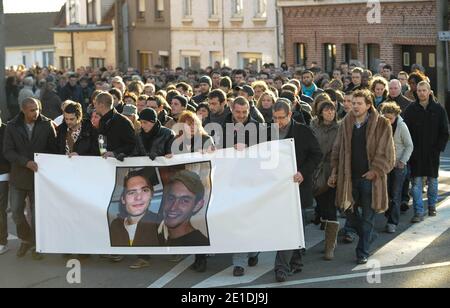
[(331, 233)]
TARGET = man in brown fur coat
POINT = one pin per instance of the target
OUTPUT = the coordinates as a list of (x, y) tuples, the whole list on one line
[(363, 156)]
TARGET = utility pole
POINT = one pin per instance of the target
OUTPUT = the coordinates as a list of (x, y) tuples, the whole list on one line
[(3, 105), (118, 28), (442, 74)]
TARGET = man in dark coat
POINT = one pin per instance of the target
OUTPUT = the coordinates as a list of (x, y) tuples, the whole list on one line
[(72, 91), (76, 136), (205, 83), (137, 226), (428, 124), (395, 94), (28, 133), (118, 130), (308, 155), (240, 130)]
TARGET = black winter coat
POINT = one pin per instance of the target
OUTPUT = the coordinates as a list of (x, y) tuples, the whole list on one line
[(19, 150), (308, 155), (5, 166), (87, 143), (155, 143), (429, 132), (119, 132)]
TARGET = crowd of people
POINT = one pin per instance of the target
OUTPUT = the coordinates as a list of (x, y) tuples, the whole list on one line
[(365, 142)]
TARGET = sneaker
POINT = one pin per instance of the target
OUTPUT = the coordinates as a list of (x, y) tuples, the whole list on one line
[(139, 264), (253, 261), (391, 229), (23, 249), (432, 212), (280, 276), (238, 271), (416, 219), (362, 261), (36, 255), (3, 249)]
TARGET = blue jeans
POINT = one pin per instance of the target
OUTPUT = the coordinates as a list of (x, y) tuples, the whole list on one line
[(241, 259), (363, 216), (396, 179), (417, 192)]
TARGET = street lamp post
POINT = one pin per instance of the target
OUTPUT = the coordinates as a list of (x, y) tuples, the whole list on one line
[(442, 74), (3, 104)]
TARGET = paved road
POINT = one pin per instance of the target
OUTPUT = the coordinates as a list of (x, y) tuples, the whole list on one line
[(417, 256)]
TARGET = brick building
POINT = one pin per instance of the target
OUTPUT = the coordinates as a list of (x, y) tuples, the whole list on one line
[(329, 32)]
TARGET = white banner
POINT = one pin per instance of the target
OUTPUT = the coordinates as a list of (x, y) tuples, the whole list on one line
[(224, 202)]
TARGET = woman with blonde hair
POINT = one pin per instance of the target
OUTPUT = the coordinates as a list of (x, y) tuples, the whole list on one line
[(265, 105)]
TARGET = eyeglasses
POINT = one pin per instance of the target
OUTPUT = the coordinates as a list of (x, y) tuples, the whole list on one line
[(280, 118)]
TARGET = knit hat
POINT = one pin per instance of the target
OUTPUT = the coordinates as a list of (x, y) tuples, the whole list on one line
[(183, 100), (205, 79), (247, 89), (148, 115), (129, 110)]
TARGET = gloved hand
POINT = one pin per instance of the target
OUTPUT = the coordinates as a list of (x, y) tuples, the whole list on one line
[(152, 156), (121, 157)]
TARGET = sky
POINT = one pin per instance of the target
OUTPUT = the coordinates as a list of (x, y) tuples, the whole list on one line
[(29, 6)]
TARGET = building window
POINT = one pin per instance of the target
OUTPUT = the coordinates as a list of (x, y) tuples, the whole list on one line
[(261, 8), (145, 60), (91, 14), (300, 54), (97, 62), (373, 57), (238, 8), (350, 53), (48, 58), (190, 62), (159, 9), (187, 8), (213, 8), (164, 61), (141, 9), (73, 12), (65, 63), (251, 61), (330, 57)]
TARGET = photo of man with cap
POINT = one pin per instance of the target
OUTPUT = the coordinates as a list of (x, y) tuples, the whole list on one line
[(136, 226), (205, 83), (248, 92), (184, 197)]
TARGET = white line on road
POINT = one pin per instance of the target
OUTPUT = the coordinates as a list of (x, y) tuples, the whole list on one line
[(12, 237), (173, 273), (349, 276), (314, 236), (403, 249)]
